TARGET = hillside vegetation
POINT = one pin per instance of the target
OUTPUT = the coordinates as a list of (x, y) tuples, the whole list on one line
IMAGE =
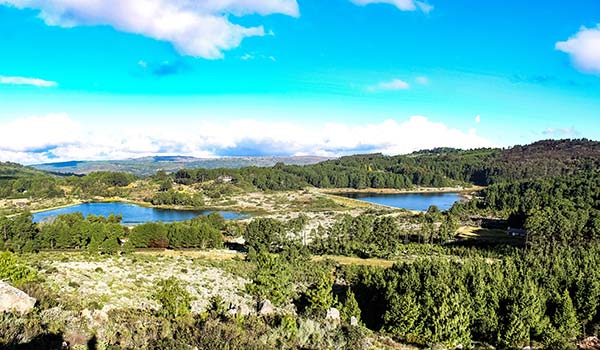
[(310, 270)]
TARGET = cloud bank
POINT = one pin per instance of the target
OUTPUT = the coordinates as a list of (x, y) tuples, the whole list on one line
[(27, 81), (58, 137), (195, 28), (584, 49)]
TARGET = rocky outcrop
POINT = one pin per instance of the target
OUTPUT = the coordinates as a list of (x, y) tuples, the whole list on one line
[(14, 300)]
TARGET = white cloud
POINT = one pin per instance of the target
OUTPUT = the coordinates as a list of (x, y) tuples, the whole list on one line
[(422, 80), (403, 5), (561, 132), (27, 81), (195, 28), (36, 134), (60, 138), (477, 119), (425, 7), (392, 85), (584, 49)]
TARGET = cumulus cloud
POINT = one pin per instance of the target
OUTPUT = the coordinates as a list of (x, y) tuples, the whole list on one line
[(403, 5), (26, 81), (584, 49), (195, 28), (36, 134), (392, 85), (60, 138)]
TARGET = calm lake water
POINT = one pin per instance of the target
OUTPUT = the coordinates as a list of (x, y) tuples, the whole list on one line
[(132, 214), (411, 201)]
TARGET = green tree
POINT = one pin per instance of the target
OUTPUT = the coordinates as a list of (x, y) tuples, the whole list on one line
[(320, 295), (173, 297), (271, 279)]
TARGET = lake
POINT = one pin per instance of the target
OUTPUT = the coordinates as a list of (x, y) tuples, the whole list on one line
[(410, 201), (133, 214)]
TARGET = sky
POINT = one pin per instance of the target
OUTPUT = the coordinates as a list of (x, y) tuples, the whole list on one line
[(113, 79)]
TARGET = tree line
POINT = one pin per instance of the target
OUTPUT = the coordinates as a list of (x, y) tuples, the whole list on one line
[(106, 234), (439, 167)]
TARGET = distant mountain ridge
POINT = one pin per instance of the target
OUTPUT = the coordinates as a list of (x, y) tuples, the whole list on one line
[(150, 165)]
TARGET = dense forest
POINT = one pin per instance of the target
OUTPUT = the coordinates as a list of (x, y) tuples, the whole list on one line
[(435, 168)]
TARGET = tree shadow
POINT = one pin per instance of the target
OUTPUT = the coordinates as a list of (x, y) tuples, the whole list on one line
[(92, 344), (42, 342), (49, 342)]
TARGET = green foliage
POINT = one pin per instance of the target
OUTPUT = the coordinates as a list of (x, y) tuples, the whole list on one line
[(17, 181), (320, 295), (15, 271), (18, 234), (350, 306), (172, 197), (173, 297), (509, 303), (271, 280), (265, 234), (101, 183)]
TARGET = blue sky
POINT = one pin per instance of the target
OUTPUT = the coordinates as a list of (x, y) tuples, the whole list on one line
[(102, 79)]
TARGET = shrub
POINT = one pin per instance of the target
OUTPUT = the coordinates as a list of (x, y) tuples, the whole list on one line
[(13, 270), (174, 299)]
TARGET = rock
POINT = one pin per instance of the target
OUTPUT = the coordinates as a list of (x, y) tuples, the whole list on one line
[(589, 343), (353, 321), (242, 310), (14, 300), (266, 308), (333, 314)]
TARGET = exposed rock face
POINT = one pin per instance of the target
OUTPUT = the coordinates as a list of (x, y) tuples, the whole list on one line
[(266, 308), (14, 300)]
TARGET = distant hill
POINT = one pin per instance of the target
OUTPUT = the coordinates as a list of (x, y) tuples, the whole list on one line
[(150, 165)]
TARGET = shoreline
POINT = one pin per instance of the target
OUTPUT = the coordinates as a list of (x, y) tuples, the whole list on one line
[(418, 190)]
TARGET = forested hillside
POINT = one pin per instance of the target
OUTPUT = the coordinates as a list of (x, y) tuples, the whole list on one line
[(441, 167), (434, 168)]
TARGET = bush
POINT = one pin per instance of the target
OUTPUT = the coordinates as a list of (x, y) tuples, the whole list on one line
[(13, 270), (174, 299)]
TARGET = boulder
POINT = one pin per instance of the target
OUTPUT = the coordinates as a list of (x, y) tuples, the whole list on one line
[(589, 343), (333, 314), (241, 310), (14, 300), (266, 308)]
